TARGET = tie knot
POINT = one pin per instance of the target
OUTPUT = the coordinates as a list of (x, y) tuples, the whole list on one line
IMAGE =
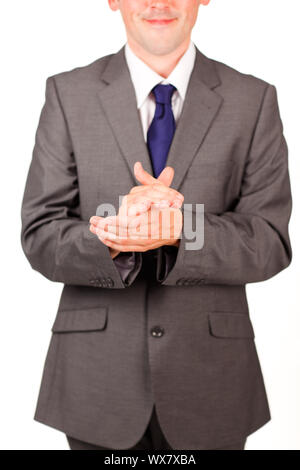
[(163, 93)]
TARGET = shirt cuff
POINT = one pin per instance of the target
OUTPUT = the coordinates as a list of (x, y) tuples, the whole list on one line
[(169, 255), (128, 265)]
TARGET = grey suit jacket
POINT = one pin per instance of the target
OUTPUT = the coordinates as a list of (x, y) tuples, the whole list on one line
[(185, 341)]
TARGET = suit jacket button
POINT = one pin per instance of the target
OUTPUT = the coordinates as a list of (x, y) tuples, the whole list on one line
[(186, 282), (110, 282), (200, 281), (179, 281), (157, 331)]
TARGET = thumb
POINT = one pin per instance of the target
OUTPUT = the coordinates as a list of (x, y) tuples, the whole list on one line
[(142, 175), (166, 176)]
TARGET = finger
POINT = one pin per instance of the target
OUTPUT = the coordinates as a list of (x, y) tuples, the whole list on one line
[(121, 223), (122, 248), (163, 204), (93, 229), (108, 223), (176, 204), (116, 246), (102, 222), (115, 242), (130, 244), (95, 220), (107, 235)]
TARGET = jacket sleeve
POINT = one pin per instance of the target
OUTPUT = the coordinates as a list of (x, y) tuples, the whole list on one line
[(250, 243), (55, 239)]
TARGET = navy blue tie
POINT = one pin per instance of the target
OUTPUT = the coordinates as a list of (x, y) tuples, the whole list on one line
[(162, 128)]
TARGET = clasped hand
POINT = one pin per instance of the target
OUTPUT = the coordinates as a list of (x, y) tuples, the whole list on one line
[(149, 216)]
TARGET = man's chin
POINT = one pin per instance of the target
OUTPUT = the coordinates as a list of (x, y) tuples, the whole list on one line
[(160, 48)]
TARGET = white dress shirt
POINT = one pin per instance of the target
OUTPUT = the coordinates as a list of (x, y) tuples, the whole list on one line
[(144, 79)]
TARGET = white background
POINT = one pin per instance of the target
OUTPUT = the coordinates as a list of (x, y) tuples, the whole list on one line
[(41, 38)]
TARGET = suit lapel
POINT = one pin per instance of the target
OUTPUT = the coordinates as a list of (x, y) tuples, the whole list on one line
[(200, 108), (118, 100)]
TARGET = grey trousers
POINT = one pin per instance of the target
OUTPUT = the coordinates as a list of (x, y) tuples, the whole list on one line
[(153, 439)]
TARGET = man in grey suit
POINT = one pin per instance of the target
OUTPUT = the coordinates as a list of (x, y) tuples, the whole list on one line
[(152, 346)]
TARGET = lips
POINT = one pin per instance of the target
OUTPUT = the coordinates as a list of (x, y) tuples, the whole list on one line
[(161, 21)]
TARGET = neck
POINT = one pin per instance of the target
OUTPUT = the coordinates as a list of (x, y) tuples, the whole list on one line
[(161, 64)]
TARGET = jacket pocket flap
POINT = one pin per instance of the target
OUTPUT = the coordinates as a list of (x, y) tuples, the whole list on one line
[(230, 325), (86, 319)]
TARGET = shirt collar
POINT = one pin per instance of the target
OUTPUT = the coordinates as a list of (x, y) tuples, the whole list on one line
[(144, 78)]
